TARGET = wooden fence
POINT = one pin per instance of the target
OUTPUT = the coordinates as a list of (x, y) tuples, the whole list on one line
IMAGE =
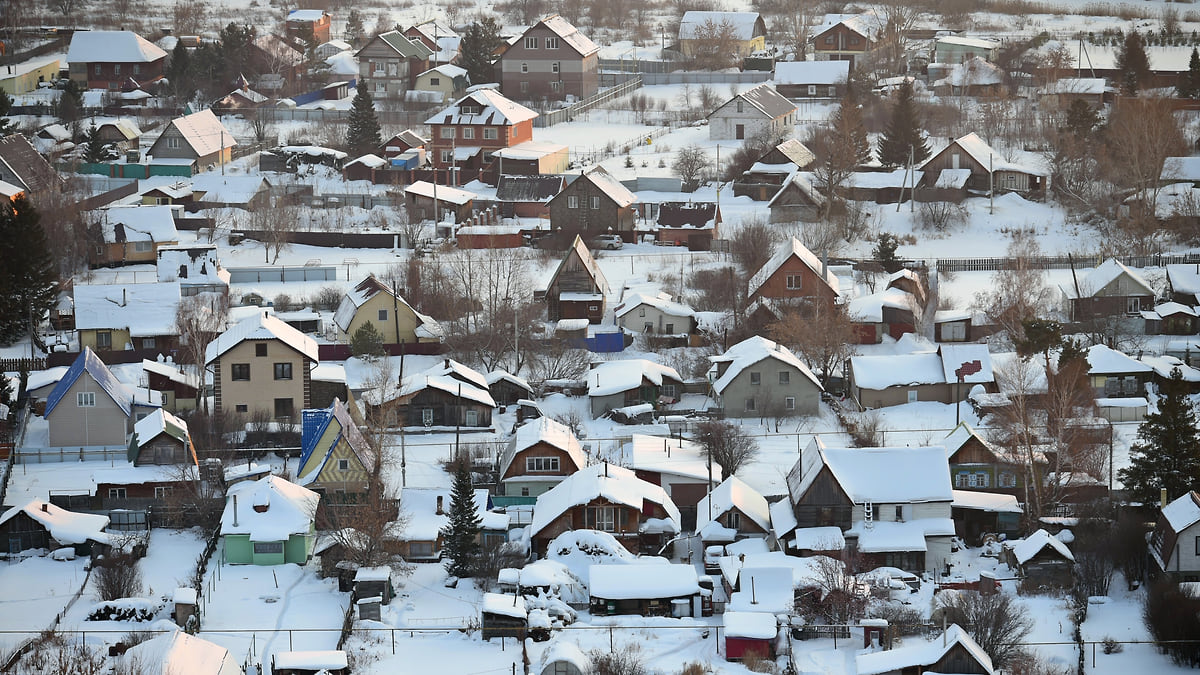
[(552, 117)]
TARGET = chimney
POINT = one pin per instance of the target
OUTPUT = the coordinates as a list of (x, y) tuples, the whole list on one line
[(235, 523), (439, 506), (124, 296), (1162, 498), (45, 507)]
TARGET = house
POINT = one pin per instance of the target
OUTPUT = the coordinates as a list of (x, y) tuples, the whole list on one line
[(578, 288), (732, 511), (879, 381), (21, 167), (429, 201), (273, 524), (242, 100), (1170, 318), (989, 170), (772, 170), (449, 80), (533, 158), (1041, 560), (262, 364), (749, 633), (1116, 375), (438, 37), (161, 439), (619, 384), (671, 590), (107, 59), (122, 133), (178, 388), (433, 400), (893, 504), (690, 224), (892, 312), (482, 121), (428, 508), (594, 203), (375, 302), (216, 191), (131, 235), (310, 26), (507, 388), (844, 37), (1064, 92), (747, 31), (955, 652), (610, 499), (760, 378), (794, 276), (760, 112), (796, 201), (40, 524), (90, 407), (1183, 284), (654, 315), (983, 516), (23, 78), (317, 662), (390, 62), (1164, 368), (1175, 543), (117, 317), (551, 60), (199, 137), (976, 464), (526, 196), (881, 187), (539, 456), (280, 63), (195, 267), (503, 616), (679, 466), (811, 79), (954, 49), (336, 459), (1110, 290), (180, 652), (972, 77), (954, 325)]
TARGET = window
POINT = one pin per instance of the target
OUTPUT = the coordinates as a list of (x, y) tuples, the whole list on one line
[(161, 492), (172, 142), (554, 67), (435, 81), (447, 156), (1131, 386), (789, 403), (260, 349), (605, 518), (595, 203), (524, 67), (116, 69), (242, 408), (899, 513), (127, 521), (489, 133), (383, 315), (829, 40), (735, 520), (960, 479), (471, 418), (525, 492), (832, 91), (239, 372), (85, 399), (912, 395), (647, 327), (551, 43), (534, 464), (524, 87), (1008, 479), (785, 377), (343, 465), (96, 69), (572, 202), (283, 407), (116, 493), (166, 454), (669, 329), (1133, 305), (739, 105), (392, 68), (148, 343), (531, 43), (446, 132), (137, 69), (468, 133), (641, 311), (467, 109), (103, 339), (556, 85), (795, 282), (143, 246), (1197, 545), (283, 371), (268, 547), (755, 378), (427, 416), (812, 90), (420, 549), (668, 390), (750, 406), (853, 40)]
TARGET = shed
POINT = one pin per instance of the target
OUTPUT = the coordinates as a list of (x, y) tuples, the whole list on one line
[(749, 633), (1042, 560), (504, 616), (370, 582), (649, 590), (325, 662)]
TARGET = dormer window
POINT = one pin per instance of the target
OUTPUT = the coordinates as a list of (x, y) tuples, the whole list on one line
[(469, 110)]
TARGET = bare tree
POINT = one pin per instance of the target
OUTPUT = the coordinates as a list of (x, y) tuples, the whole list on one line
[(837, 597), (554, 359), (726, 444), (1143, 133), (714, 45), (117, 576), (198, 320), (753, 245), (690, 164), (823, 336), (998, 622), (1019, 291)]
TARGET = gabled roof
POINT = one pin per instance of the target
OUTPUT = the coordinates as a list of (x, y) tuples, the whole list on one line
[(743, 23), (290, 509), (528, 188), (662, 302), (138, 223), (367, 289), (408, 137), (203, 132), (1109, 271), (616, 484), (454, 369), (348, 430), (887, 475), (88, 362), (922, 653), (612, 377), (955, 355), (569, 34), (146, 310), (65, 527), (974, 72), (492, 106), (753, 350), (1025, 549), (859, 23), (578, 248), (111, 46), (421, 382), (986, 157), (172, 372), (159, 422), (782, 255), (307, 15), (31, 169), (543, 430), (1103, 360), (667, 456), (504, 376), (1183, 512), (610, 186), (811, 72), (444, 193), (261, 326), (401, 45), (733, 492), (766, 100), (448, 69), (958, 437), (798, 181)]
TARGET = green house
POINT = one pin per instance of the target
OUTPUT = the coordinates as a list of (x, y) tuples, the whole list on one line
[(269, 522)]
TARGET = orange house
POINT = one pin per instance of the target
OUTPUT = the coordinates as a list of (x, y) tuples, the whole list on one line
[(794, 274)]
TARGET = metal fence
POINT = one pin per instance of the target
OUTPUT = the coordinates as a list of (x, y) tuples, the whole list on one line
[(704, 77), (569, 113), (43, 455)]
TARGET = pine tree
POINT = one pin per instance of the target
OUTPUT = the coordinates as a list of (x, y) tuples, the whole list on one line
[(354, 28), (1167, 453), (70, 103), (6, 125), (1189, 82), (461, 533), (367, 341), (848, 127), (363, 128), (179, 72), (479, 44), (1133, 66), (903, 132), (93, 149), (28, 280)]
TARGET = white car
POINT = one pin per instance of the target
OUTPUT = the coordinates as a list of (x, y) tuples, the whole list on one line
[(611, 242)]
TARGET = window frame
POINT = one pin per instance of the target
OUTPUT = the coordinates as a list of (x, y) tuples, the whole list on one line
[(267, 547), (383, 315), (789, 402), (104, 339), (795, 282), (446, 132), (755, 378), (343, 464), (552, 42), (542, 464), (291, 406), (490, 134), (282, 371), (239, 372), (531, 42), (572, 202), (260, 349), (85, 399), (468, 133)]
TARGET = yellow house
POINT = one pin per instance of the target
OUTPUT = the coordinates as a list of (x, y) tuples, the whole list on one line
[(374, 302), (22, 78), (336, 459), (746, 31), (262, 364), (132, 234), (120, 317), (448, 79)]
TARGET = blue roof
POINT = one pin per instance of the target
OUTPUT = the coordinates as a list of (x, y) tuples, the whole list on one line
[(315, 421), (90, 363)]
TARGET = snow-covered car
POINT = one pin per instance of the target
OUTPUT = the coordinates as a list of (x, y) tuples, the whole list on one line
[(712, 558)]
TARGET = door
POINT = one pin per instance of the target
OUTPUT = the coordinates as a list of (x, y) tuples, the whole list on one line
[(14, 545), (739, 131)]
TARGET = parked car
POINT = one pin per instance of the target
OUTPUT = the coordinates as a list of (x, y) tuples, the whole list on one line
[(712, 558), (610, 242)]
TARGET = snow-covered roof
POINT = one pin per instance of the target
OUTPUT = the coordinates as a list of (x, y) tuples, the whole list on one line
[(782, 255), (459, 371), (662, 302), (801, 181), (203, 132), (956, 355), (616, 484), (483, 106), (179, 652), (326, 659), (562, 650), (754, 350), (880, 372), (783, 519), (146, 310), (881, 475), (290, 509), (732, 493), (443, 193), (1177, 169), (227, 189), (88, 362), (649, 581), (138, 223), (973, 72), (261, 326), (666, 455), (1183, 512), (983, 153), (752, 625), (1030, 546), (880, 180), (1080, 85), (111, 46), (985, 501), (827, 538), (1103, 360), (500, 375), (421, 381), (766, 100), (610, 186), (753, 555), (1109, 271), (952, 179), (306, 15), (859, 23), (504, 605), (65, 527), (742, 23), (570, 35), (964, 41), (811, 72), (882, 536), (614, 377), (869, 308), (421, 505), (548, 431), (158, 422), (191, 265), (365, 290), (921, 653)]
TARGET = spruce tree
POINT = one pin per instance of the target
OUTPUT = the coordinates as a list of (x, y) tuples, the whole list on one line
[(903, 132), (93, 149), (354, 28), (70, 104), (849, 128), (28, 279), (1133, 66), (367, 342), (479, 44), (461, 534), (6, 125), (179, 72), (1167, 453), (363, 128), (1189, 82)]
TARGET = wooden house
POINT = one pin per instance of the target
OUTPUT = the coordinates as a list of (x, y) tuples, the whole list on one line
[(131, 235), (954, 652), (449, 80), (389, 63), (760, 112), (40, 524), (578, 288), (480, 122), (767, 175), (1116, 375), (671, 590), (400, 143), (811, 79), (979, 516), (503, 616), (533, 158), (336, 459), (440, 203), (506, 388), (199, 138), (879, 381), (844, 37), (1041, 560), (973, 77), (427, 401), (108, 59), (679, 466), (22, 167), (269, 522), (90, 407), (750, 633), (629, 382), (732, 511), (526, 196), (375, 302), (551, 60), (978, 465), (1110, 290), (178, 388), (1172, 545), (989, 170), (796, 201), (541, 453), (594, 203), (161, 439), (123, 317), (746, 30), (1171, 318), (794, 276), (422, 537)]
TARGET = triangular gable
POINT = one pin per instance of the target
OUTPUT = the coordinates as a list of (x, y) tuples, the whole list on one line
[(88, 362), (580, 250), (785, 253), (348, 432)]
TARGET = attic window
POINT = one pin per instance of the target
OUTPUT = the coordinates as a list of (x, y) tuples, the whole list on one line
[(172, 142), (551, 43), (435, 81), (531, 43), (260, 349), (470, 110), (343, 465), (85, 399), (739, 105)]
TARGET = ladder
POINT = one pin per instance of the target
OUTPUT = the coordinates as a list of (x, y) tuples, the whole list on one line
[(869, 515)]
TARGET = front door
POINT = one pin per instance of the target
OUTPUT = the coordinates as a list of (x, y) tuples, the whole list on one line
[(14, 545)]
